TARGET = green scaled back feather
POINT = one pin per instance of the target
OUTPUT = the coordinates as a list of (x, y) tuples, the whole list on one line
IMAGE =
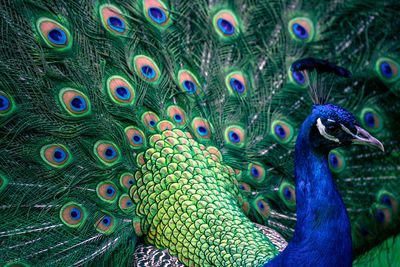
[(154, 130)]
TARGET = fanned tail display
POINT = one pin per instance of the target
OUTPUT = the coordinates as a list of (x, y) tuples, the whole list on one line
[(158, 132)]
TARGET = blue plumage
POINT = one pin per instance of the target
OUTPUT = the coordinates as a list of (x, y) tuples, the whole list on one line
[(323, 233)]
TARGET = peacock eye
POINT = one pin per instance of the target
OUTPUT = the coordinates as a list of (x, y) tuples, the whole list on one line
[(332, 129)]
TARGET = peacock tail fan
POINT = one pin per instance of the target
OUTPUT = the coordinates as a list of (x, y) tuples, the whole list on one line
[(156, 131)]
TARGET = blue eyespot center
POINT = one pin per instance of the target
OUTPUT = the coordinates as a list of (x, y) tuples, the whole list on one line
[(178, 118), (152, 123), (189, 86), (225, 27), (386, 69), (280, 131), (137, 139), (75, 214), (254, 172), (110, 153), (148, 72), (123, 93), (110, 191), (116, 24), (130, 182), (369, 119), (57, 36), (4, 103), (298, 77), (59, 155), (106, 221), (234, 137), (202, 130), (129, 203), (380, 216), (287, 193), (334, 160), (157, 15), (78, 103), (261, 205), (242, 187), (237, 85), (386, 200), (300, 31)]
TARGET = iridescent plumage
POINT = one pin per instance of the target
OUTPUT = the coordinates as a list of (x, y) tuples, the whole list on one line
[(170, 127)]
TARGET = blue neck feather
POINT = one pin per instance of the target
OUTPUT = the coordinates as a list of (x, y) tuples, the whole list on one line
[(323, 235)]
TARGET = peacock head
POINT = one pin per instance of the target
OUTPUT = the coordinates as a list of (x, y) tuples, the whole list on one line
[(333, 127)]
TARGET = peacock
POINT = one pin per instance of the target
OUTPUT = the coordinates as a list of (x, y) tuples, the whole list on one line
[(199, 133)]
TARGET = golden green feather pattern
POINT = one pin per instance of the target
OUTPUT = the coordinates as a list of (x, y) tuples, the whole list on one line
[(188, 201)]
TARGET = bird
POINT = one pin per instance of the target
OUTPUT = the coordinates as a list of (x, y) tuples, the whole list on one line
[(199, 133)]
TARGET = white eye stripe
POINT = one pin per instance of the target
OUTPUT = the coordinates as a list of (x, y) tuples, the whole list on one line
[(347, 130), (321, 129)]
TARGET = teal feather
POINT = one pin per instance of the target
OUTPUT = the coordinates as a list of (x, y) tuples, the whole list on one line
[(267, 38)]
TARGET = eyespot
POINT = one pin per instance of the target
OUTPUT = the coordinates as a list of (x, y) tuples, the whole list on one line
[(126, 203), (112, 20), (336, 161), (201, 128), (262, 208), (383, 216), (74, 102), (362, 230), (106, 224), (245, 207), (256, 171), (234, 135), (371, 120), (72, 214), (388, 200), (236, 83), (177, 115), (188, 83), (298, 78), (140, 159), (3, 182), (150, 119), (146, 68), (301, 29), (107, 152), (245, 187), (55, 155), (120, 90), (226, 24), (135, 137), (282, 131), (156, 12), (126, 180), (288, 194), (165, 125), (387, 69), (6, 104), (53, 33), (107, 191)]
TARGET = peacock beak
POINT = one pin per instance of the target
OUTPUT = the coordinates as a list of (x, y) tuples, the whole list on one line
[(364, 138)]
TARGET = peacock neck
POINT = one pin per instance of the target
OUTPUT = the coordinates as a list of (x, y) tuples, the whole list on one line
[(322, 236)]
